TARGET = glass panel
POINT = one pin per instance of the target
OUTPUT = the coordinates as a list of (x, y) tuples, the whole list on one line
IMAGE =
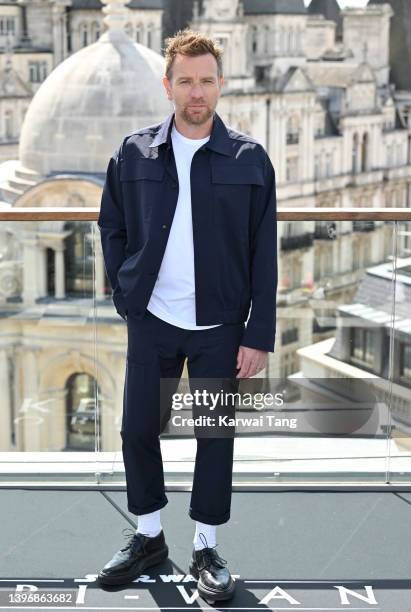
[(399, 465), (48, 341), (64, 360), (329, 365)]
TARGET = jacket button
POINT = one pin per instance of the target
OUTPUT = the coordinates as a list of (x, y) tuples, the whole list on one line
[(164, 226)]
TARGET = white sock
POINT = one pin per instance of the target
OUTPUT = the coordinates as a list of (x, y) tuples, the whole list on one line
[(149, 524), (209, 531)]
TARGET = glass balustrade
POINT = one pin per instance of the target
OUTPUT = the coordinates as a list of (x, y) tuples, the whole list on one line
[(340, 375)]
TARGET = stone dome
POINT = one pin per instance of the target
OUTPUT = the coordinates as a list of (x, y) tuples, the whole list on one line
[(87, 105)]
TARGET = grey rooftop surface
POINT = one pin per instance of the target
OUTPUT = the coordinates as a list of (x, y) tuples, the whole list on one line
[(315, 547)]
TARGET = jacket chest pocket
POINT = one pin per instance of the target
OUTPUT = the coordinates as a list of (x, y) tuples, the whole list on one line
[(232, 187), (142, 184)]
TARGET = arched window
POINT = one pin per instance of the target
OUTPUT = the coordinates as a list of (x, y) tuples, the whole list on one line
[(51, 272), (266, 39), (150, 37), (254, 39), (81, 413), (354, 154), (298, 41), (289, 41), (95, 31), (129, 29), (364, 152), (139, 32), (281, 41), (84, 34)]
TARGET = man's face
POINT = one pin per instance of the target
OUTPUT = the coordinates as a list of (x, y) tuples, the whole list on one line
[(194, 87)]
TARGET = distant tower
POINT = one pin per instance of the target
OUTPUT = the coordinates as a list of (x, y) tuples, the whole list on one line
[(371, 23), (331, 11), (223, 20)]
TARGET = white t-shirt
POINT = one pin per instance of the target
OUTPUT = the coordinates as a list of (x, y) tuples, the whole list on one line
[(173, 296)]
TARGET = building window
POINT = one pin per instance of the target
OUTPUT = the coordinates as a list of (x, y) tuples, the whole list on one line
[(262, 74), (364, 153), (129, 29), (289, 364), (323, 262), (150, 36), (139, 33), (362, 346), (78, 260), (8, 124), (298, 40), (357, 256), (292, 130), (291, 169), (328, 164), (389, 156), (399, 155), (254, 38), (281, 40), (7, 26), (266, 38), (292, 274), (354, 154), (84, 34), (37, 72), (289, 41), (81, 413), (290, 333), (96, 31), (316, 166), (405, 361)]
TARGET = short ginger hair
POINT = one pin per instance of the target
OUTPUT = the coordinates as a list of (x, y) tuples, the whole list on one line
[(191, 43)]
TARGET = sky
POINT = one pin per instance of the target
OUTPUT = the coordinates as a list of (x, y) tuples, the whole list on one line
[(344, 3)]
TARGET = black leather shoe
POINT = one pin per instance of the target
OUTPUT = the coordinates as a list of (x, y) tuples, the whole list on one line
[(129, 562), (214, 581)]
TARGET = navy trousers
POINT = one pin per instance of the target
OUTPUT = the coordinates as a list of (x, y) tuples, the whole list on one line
[(157, 351)]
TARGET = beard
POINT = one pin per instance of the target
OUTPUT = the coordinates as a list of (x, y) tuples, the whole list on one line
[(197, 117)]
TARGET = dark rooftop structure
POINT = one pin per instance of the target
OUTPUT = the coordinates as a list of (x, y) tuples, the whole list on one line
[(268, 7), (400, 42), (330, 9), (135, 4), (179, 13)]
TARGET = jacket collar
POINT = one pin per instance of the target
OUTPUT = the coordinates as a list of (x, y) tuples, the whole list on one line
[(219, 138)]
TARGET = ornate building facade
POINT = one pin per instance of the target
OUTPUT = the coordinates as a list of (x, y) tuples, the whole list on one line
[(313, 86)]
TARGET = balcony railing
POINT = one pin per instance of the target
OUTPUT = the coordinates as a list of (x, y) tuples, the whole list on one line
[(326, 231), (363, 226), (300, 241)]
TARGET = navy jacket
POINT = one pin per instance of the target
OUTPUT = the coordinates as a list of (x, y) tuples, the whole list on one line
[(234, 226)]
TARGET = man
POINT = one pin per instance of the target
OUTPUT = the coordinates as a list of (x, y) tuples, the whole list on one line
[(188, 233)]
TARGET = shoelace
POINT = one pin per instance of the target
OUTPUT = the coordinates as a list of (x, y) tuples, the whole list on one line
[(209, 555), (130, 534)]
